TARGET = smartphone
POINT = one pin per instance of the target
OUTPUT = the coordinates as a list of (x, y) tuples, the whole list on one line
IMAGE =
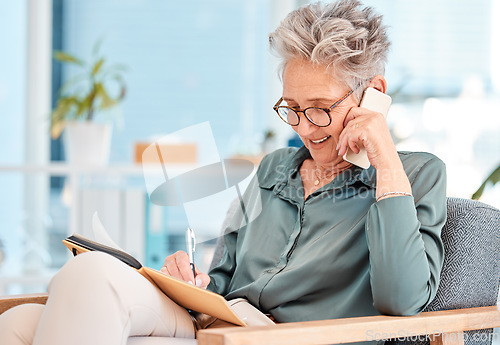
[(376, 101)]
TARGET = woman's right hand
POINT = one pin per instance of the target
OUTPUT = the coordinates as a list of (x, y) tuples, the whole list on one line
[(178, 266)]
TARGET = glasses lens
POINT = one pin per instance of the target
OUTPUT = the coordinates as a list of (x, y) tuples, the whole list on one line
[(288, 115), (318, 116)]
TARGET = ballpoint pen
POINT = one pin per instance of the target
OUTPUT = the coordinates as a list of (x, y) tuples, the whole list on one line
[(190, 244)]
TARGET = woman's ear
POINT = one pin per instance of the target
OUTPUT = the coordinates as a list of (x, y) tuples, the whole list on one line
[(378, 83)]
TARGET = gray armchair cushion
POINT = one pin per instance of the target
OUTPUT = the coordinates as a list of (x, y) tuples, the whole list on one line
[(470, 276)]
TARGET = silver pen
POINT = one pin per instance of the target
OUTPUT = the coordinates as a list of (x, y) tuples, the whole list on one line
[(191, 244)]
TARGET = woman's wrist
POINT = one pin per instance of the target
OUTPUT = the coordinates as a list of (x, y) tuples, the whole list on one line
[(391, 194), (392, 181)]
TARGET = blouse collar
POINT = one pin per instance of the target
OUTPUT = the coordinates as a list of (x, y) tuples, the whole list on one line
[(282, 174)]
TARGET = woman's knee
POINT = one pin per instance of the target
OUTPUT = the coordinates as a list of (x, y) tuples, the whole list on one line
[(18, 325), (95, 260), (86, 270)]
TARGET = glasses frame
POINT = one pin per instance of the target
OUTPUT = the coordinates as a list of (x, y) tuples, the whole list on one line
[(327, 111)]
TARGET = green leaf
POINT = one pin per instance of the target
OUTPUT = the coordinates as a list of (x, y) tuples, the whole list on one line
[(65, 57), (123, 89), (72, 82), (97, 46), (85, 106), (56, 129), (494, 178), (106, 101), (86, 94), (123, 92), (116, 68), (61, 113), (63, 108), (97, 66)]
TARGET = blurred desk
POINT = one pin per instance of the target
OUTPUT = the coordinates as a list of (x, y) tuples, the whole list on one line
[(76, 172), (38, 281)]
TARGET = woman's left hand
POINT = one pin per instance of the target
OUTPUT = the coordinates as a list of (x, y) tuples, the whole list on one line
[(368, 129)]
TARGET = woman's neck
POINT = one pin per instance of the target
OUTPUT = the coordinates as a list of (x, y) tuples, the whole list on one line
[(329, 170)]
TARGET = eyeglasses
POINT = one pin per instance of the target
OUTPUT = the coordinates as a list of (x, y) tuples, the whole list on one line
[(317, 116)]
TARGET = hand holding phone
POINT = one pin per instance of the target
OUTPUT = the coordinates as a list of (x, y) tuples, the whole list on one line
[(376, 101)]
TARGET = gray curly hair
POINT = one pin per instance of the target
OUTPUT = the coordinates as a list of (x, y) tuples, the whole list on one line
[(350, 40)]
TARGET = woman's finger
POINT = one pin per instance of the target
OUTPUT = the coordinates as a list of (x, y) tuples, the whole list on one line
[(353, 144), (184, 266), (202, 280), (355, 113), (349, 137), (342, 144), (350, 116), (178, 266), (170, 268)]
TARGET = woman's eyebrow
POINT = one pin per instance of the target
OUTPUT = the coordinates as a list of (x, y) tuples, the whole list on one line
[(323, 100)]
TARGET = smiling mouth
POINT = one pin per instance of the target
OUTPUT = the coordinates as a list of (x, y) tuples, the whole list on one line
[(320, 140)]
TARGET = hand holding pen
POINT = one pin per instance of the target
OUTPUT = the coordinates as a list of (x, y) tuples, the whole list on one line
[(181, 264)]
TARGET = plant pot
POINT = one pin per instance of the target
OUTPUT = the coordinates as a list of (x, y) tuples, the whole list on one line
[(87, 143)]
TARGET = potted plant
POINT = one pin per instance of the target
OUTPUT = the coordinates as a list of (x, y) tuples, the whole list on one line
[(493, 179), (80, 99)]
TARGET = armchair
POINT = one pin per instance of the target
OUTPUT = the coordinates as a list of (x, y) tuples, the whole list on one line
[(465, 301)]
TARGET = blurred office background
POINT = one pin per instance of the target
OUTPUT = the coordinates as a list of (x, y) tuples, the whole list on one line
[(193, 61)]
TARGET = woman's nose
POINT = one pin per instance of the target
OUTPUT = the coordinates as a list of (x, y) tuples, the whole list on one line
[(305, 127)]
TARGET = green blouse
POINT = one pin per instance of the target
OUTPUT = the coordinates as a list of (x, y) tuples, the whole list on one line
[(338, 253)]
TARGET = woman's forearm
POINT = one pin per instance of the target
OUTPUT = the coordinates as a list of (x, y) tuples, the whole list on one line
[(402, 279), (406, 252)]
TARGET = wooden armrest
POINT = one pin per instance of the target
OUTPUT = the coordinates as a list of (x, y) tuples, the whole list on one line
[(443, 327), (7, 302)]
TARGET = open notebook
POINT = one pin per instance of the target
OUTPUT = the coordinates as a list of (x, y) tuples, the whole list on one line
[(182, 293)]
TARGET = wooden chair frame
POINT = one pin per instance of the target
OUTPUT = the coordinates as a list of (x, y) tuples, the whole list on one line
[(444, 327), (439, 327)]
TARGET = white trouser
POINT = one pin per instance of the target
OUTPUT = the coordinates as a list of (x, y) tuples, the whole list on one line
[(96, 299)]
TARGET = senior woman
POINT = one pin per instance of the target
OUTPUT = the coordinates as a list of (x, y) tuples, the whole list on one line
[(331, 240), (334, 240)]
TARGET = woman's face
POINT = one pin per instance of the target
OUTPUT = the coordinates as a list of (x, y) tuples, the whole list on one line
[(307, 85)]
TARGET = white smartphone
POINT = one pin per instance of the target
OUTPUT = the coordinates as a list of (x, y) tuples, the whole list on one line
[(376, 101)]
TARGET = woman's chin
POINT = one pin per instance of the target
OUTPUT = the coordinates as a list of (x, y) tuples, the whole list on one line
[(325, 156)]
